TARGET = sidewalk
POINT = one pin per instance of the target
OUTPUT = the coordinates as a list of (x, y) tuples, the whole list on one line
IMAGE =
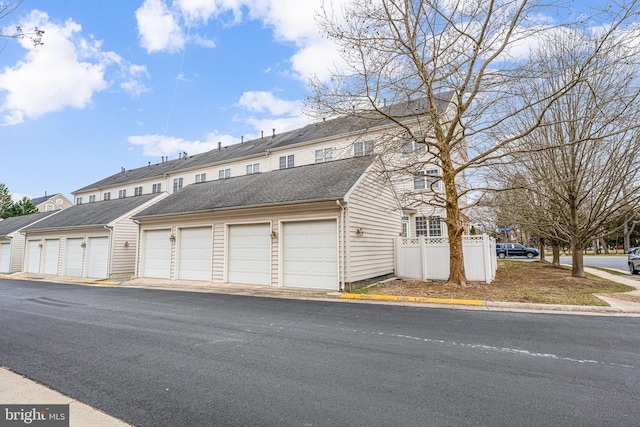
[(17, 389), (20, 390)]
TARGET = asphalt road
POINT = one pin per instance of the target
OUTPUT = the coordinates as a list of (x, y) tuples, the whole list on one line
[(605, 261), (162, 358)]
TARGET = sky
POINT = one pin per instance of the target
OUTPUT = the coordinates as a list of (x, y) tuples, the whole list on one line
[(119, 84), (123, 83)]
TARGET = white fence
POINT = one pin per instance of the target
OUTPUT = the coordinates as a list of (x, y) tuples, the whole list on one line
[(427, 258)]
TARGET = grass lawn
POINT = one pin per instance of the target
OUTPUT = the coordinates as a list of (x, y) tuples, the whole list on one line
[(516, 281)]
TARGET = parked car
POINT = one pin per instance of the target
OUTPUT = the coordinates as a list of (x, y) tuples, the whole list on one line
[(633, 259), (504, 250)]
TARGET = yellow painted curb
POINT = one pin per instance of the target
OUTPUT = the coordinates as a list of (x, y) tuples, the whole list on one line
[(101, 282), (412, 299)]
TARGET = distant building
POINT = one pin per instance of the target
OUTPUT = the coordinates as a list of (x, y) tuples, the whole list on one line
[(55, 202)]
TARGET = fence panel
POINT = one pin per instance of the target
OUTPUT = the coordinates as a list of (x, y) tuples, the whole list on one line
[(428, 258)]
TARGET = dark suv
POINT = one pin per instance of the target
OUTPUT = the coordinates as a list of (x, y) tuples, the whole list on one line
[(504, 250)]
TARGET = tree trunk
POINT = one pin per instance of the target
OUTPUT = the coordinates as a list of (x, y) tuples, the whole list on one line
[(556, 253), (457, 275), (541, 249), (577, 259), (603, 244), (627, 236)]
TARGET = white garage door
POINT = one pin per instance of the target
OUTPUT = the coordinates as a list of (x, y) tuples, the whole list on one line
[(98, 257), (5, 257), (310, 258), (51, 256), (73, 257), (194, 259), (33, 256), (156, 260), (250, 254)]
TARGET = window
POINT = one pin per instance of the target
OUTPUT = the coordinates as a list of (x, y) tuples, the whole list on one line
[(49, 208), (157, 188), (422, 226), (201, 177), (362, 148), (224, 173), (286, 162), (177, 184), (106, 196), (137, 191), (254, 168), (324, 155), (122, 194), (414, 147), (92, 199), (79, 201), (427, 180), (435, 228), (428, 227), (405, 226)]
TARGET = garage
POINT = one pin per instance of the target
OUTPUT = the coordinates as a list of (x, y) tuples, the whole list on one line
[(73, 257), (98, 257), (33, 256), (51, 256), (249, 249), (194, 258), (156, 257), (5, 257), (310, 254)]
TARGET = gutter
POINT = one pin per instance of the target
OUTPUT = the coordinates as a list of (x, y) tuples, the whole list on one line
[(230, 208)]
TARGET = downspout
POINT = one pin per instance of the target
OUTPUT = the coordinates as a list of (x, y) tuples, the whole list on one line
[(111, 249), (342, 248)]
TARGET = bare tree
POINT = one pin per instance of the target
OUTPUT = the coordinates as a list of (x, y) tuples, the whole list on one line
[(581, 160), (35, 35), (418, 53)]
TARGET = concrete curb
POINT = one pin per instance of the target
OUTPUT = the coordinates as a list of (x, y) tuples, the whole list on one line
[(396, 298), (20, 390)]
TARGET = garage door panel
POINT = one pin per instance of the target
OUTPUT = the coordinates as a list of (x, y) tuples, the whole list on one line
[(250, 254), (51, 256), (5, 257), (33, 256), (195, 253), (73, 257), (98, 257), (310, 258), (157, 254)]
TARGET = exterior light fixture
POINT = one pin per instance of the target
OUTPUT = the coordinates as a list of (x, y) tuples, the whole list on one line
[(359, 232)]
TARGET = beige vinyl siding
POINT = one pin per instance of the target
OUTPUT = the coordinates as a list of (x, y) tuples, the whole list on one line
[(123, 257), (373, 208), (17, 252)]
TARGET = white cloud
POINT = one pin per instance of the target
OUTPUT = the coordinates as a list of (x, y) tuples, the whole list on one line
[(265, 101), (154, 145), (163, 26), (65, 72), (159, 28)]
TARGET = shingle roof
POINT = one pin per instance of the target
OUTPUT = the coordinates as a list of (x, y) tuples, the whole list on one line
[(15, 223), (91, 214), (318, 182), (39, 200), (311, 132)]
